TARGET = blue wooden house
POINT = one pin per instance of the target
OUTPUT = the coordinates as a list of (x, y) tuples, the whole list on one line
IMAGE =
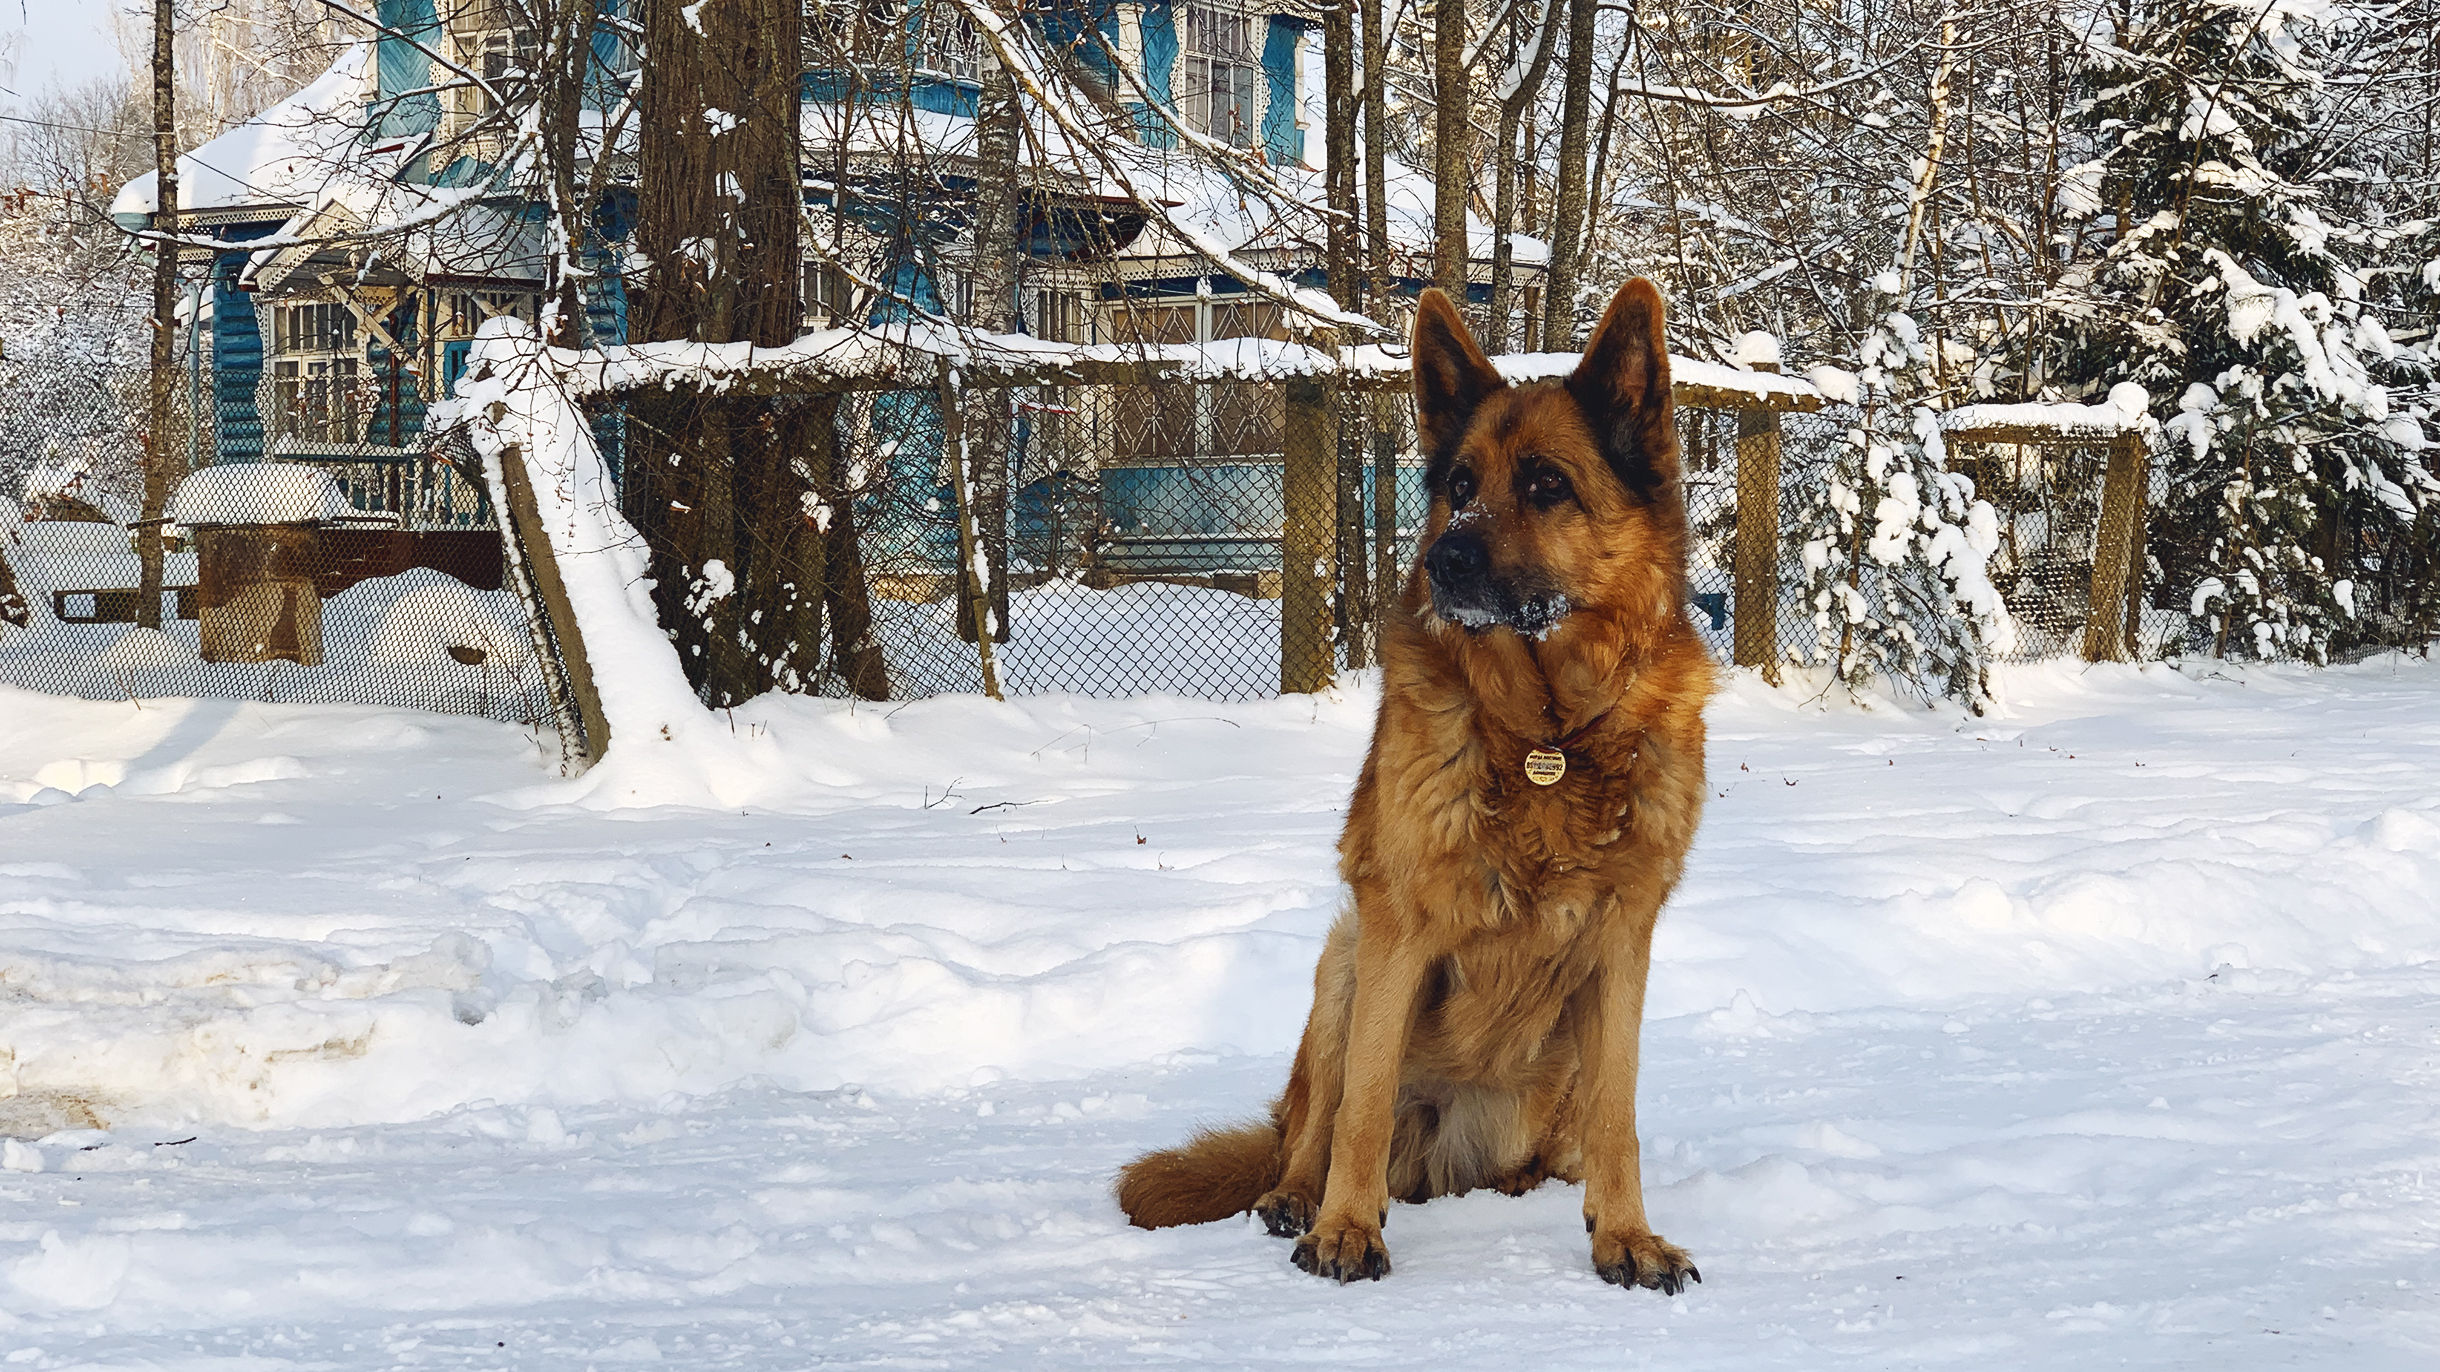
[(328, 349)]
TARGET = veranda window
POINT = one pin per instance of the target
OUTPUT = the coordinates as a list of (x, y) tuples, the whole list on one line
[(314, 372)]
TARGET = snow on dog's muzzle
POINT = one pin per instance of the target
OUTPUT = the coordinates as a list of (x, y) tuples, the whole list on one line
[(1466, 593)]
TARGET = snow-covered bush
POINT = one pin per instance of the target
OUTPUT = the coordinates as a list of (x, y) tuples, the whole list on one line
[(1895, 548)]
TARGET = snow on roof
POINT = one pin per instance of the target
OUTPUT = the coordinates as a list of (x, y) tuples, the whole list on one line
[(283, 156), (2127, 410), (258, 493), (465, 240), (1202, 198)]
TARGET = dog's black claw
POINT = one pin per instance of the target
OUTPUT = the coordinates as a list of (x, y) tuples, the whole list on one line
[(1371, 1265), (1588, 1224), (1695, 1273), (1284, 1214)]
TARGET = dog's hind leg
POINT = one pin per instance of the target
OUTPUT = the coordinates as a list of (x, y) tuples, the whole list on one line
[(1311, 1102)]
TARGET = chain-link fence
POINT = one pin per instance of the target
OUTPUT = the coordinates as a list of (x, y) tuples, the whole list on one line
[(362, 574), (1140, 537)]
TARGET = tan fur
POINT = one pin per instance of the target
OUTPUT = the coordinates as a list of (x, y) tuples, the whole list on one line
[(1476, 1014), (1218, 1173)]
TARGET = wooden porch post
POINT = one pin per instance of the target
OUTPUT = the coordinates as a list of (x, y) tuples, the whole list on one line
[(1307, 540)]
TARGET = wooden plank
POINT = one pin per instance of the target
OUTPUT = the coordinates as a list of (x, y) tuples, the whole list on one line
[(1306, 545), (534, 547), (1757, 567), (2121, 511), (1719, 398)]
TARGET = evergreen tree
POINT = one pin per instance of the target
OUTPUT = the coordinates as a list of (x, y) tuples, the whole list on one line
[(1896, 548), (2234, 290)]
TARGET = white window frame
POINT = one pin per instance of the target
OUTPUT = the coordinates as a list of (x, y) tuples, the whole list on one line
[(1220, 81)]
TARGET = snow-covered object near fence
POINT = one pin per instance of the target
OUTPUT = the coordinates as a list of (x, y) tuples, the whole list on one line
[(2127, 410), (258, 493), (1711, 383), (663, 743)]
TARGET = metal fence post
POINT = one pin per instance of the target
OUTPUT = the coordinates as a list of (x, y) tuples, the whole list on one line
[(2121, 511), (1757, 570), (1308, 537)]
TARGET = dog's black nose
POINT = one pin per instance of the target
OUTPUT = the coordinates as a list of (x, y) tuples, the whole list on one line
[(1457, 558)]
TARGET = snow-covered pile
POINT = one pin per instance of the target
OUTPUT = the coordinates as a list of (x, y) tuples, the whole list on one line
[(955, 885), (258, 493)]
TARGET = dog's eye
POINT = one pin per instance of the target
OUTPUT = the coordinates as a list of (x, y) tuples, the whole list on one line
[(1547, 487), (1461, 488)]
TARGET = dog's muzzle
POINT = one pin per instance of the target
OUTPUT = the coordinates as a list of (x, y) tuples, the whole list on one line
[(1466, 594)]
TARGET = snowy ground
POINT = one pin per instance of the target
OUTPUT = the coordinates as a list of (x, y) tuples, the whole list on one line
[(346, 1038)]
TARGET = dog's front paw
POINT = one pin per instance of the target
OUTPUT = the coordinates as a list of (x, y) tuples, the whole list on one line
[(1285, 1213), (1343, 1249), (1643, 1259)]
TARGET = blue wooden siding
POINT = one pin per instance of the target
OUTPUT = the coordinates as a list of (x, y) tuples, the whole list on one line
[(1283, 143), (237, 352), (1160, 33), (401, 67), (602, 89)]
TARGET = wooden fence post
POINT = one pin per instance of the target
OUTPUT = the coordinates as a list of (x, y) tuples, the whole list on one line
[(530, 545), (1757, 570), (2135, 553), (2122, 501), (1307, 542)]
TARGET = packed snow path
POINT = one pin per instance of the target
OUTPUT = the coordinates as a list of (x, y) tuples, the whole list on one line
[(2106, 1031)]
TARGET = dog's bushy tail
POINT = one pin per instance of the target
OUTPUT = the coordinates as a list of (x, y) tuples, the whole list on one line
[(1218, 1173)]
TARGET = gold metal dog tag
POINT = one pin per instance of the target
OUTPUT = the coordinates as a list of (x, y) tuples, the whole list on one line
[(1542, 766)]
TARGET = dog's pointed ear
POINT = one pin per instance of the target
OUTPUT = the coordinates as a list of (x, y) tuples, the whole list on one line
[(1452, 380), (1622, 385)]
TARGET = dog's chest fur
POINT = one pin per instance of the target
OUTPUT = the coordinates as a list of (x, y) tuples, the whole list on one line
[(1477, 847)]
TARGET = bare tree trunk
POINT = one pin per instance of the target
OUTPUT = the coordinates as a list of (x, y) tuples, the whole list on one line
[(989, 431), (1451, 127), (1376, 144), (1377, 263), (1353, 609), (159, 422), (720, 491), (1567, 232), (1339, 153), (566, 62), (1513, 102)]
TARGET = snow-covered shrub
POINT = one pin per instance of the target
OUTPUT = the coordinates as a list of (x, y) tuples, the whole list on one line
[(1895, 548)]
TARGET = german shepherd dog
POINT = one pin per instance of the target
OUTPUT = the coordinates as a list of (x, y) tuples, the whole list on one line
[(1536, 775)]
